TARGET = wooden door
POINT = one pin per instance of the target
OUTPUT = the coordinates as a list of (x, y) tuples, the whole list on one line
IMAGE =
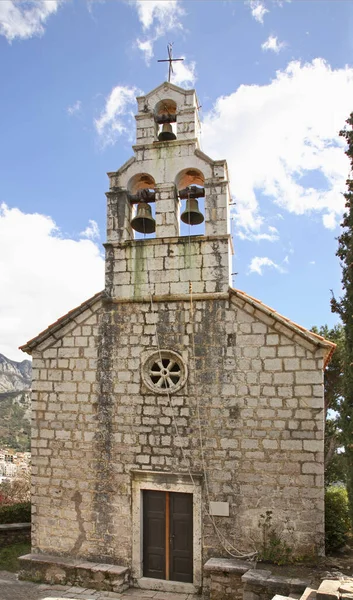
[(168, 536), (154, 530), (181, 534)]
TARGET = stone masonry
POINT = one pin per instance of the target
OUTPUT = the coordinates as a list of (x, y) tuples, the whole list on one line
[(247, 427)]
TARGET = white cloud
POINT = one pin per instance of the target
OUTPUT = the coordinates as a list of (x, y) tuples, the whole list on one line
[(117, 114), (273, 44), (312, 262), (272, 135), (92, 231), (25, 19), (258, 10), (157, 17), (183, 74), (162, 14), (272, 235), (330, 220), (147, 48), (42, 276), (259, 262), (74, 108)]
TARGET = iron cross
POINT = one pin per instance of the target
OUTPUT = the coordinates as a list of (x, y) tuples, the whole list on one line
[(170, 60)]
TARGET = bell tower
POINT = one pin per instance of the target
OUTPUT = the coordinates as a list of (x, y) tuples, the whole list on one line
[(148, 250)]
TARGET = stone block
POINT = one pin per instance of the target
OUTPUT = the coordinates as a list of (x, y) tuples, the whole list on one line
[(328, 590)]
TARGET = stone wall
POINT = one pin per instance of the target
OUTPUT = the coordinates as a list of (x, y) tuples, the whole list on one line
[(64, 424), (166, 266), (14, 533), (257, 387), (260, 397)]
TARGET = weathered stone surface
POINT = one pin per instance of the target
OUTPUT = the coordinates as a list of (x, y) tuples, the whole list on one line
[(262, 585), (328, 590), (65, 571)]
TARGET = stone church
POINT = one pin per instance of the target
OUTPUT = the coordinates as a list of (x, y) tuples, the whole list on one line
[(171, 411)]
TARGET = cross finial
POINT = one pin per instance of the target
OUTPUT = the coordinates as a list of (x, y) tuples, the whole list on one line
[(170, 60)]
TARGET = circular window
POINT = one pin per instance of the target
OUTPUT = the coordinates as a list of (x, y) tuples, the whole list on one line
[(164, 372)]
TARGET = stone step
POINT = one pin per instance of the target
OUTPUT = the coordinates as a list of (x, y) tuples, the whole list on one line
[(328, 590), (309, 594), (46, 568)]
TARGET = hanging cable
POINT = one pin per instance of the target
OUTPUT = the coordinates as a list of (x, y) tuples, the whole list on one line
[(227, 546)]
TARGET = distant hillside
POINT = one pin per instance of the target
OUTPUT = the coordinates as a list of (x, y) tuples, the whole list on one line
[(14, 376), (15, 403)]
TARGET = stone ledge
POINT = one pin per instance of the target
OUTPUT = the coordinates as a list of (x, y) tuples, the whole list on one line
[(162, 585), (261, 584), (14, 526), (227, 565), (51, 569), (13, 533)]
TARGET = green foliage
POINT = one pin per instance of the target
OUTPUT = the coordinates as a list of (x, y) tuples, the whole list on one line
[(344, 307), (15, 427), (9, 556), (335, 463), (273, 548), (15, 513), (337, 522)]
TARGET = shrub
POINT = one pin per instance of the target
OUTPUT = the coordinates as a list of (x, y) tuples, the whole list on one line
[(337, 521), (15, 513), (16, 490), (273, 548)]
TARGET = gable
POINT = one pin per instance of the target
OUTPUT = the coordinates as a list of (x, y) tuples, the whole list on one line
[(59, 328), (176, 91), (280, 324)]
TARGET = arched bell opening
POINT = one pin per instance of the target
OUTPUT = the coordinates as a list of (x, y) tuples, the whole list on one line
[(165, 116), (142, 195), (190, 189)]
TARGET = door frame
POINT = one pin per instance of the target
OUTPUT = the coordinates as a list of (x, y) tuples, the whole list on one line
[(165, 482)]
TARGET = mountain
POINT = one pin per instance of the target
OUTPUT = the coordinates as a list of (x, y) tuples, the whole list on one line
[(14, 376), (15, 403)]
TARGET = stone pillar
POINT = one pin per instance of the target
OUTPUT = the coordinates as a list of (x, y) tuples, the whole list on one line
[(146, 129), (167, 211), (188, 124), (119, 214), (217, 218)]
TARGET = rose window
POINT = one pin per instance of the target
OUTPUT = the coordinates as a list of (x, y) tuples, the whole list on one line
[(164, 372)]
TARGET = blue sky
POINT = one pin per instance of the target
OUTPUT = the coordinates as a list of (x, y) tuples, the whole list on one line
[(275, 84)]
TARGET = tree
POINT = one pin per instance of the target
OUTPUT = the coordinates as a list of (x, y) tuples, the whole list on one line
[(333, 383), (344, 307)]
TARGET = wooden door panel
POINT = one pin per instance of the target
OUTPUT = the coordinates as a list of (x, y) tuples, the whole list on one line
[(154, 521), (181, 532)]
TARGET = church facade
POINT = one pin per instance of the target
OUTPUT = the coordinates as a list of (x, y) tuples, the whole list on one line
[(171, 411)]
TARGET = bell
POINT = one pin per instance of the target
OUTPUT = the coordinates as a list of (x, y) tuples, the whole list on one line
[(143, 222), (167, 133), (192, 214)]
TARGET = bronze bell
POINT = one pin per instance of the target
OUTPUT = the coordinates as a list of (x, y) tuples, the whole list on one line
[(143, 222), (192, 214), (167, 133)]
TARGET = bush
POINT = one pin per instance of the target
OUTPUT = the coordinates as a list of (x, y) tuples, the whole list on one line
[(273, 548), (16, 490), (337, 521), (15, 513)]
